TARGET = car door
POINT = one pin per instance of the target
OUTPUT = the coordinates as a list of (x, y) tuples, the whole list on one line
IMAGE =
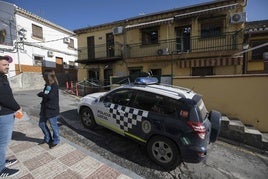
[(113, 109)]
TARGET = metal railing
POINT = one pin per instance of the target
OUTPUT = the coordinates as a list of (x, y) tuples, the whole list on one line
[(226, 41), (100, 51)]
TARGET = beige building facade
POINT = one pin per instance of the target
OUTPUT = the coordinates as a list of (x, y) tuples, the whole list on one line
[(197, 40)]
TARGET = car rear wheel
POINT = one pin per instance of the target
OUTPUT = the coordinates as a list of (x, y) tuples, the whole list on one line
[(87, 118), (163, 152)]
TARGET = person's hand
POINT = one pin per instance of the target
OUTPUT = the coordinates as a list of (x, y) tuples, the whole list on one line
[(19, 114), (40, 94)]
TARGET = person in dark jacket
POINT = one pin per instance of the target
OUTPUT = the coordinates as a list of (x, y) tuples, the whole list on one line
[(50, 109), (8, 109)]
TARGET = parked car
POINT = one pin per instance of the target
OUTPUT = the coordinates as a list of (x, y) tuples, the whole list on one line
[(172, 122)]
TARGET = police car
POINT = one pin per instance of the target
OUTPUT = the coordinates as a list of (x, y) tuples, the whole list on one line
[(172, 122)]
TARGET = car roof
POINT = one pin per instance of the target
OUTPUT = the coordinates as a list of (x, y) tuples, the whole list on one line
[(175, 92)]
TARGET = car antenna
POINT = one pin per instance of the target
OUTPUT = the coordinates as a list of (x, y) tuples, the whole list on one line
[(190, 90)]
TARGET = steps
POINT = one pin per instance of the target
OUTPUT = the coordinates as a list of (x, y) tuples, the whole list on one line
[(236, 131)]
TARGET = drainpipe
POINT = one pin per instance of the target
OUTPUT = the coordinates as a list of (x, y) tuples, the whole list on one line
[(18, 52)]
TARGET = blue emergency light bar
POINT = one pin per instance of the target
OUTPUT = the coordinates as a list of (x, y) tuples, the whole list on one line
[(146, 80)]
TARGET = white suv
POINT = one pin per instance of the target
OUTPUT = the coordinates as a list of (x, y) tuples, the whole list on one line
[(172, 122)]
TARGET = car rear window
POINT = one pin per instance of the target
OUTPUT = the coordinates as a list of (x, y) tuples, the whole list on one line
[(202, 110)]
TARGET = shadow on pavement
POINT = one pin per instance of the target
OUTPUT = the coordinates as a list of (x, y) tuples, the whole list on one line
[(103, 140), (19, 136)]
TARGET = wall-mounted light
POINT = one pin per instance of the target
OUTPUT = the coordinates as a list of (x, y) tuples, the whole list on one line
[(245, 46)]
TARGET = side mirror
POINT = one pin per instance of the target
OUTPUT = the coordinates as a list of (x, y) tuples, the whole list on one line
[(102, 98)]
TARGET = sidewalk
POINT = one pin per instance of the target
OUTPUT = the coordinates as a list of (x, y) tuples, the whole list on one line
[(67, 160)]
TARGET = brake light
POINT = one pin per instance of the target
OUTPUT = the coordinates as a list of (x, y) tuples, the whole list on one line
[(199, 128)]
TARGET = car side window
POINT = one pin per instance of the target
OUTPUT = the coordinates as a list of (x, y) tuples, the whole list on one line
[(157, 103), (171, 106), (121, 97), (144, 100)]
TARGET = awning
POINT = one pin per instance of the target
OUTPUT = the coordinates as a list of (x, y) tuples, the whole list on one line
[(149, 24), (209, 62), (206, 11)]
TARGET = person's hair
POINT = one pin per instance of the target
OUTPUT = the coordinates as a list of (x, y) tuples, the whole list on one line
[(50, 77)]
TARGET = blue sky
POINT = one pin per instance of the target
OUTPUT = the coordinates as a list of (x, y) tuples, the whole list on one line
[(83, 13)]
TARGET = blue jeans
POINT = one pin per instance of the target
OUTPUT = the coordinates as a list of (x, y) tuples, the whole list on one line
[(55, 139), (6, 128)]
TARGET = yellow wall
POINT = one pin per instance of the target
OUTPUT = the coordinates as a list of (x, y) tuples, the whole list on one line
[(243, 97), (255, 66)]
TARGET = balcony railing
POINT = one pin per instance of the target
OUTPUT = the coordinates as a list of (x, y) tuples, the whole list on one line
[(227, 41), (100, 51)]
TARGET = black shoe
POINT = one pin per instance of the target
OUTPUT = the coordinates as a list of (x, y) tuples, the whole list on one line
[(7, 172), (52, 145), (44, 142), (11, 162)]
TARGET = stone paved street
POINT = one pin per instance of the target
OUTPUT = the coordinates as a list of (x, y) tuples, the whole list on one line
[(64, 161)]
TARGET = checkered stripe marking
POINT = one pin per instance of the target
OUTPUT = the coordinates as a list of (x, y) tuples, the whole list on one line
[(127, 117)]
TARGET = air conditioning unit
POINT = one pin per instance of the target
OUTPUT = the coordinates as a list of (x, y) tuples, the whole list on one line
[(66, 40), (50, 54), (164, 51), (238, 17), (118, 30)]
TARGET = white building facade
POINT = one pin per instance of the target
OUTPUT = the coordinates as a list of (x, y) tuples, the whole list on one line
[(36, 44)]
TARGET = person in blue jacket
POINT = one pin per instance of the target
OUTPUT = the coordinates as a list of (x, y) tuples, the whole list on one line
[(8, 109), (50, 109)]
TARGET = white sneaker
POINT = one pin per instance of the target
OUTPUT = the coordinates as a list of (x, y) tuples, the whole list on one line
[(7, 172)]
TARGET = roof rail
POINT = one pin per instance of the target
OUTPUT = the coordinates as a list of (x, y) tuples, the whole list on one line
[(178, 93), (188, 90)]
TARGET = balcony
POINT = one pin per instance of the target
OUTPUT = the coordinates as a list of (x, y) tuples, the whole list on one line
[(224, 42), (100, 52)]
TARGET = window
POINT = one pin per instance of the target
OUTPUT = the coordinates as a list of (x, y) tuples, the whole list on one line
[(71, 44), (3, 36), (156, 72), (211, 28), (93, 74), (149, 35), (202, 71), (37, 31), (38, 61), (257, 54)]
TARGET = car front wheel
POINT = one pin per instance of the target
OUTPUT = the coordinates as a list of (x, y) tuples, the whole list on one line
[(87, 118), (163, 152)]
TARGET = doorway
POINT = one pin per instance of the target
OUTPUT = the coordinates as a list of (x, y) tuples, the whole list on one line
[(183, 39)]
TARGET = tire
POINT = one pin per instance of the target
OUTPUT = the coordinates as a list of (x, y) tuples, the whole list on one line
[(215, 119), (164, 152), (87, 118)]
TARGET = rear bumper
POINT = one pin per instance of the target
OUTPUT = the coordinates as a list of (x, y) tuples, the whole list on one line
[(193, 154)]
